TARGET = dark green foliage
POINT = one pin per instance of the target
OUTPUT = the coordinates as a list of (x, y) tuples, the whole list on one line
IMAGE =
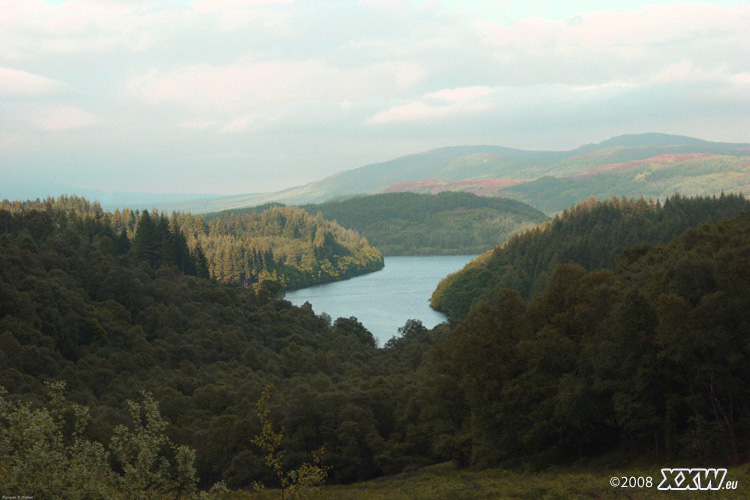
[(301, 483), (590, 234), (111, 323), (650, 359)]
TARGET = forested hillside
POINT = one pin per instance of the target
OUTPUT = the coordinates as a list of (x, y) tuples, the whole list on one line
[(655, 177), (645, 361), (78, 306), (285, 245), (649, 360), (446, 223), (590, 234)]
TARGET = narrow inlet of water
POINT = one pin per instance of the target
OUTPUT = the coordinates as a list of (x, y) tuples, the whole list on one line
[(384, 300)]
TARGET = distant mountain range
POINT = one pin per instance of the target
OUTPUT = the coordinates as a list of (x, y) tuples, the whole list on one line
[(649, 165)]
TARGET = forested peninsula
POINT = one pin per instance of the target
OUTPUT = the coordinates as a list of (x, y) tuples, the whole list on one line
[(112, 316), (281, 244), (284, 244)]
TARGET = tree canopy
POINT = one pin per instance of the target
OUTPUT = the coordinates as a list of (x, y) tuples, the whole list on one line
[(589, 234), (647, 359)]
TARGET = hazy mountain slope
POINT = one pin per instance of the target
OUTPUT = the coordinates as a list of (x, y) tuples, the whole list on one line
[(656, 177), (461, 163), (446, 164)]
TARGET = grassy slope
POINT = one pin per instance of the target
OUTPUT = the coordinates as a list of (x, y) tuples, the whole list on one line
[(445, 482)]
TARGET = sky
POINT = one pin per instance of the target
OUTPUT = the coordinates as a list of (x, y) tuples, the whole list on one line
[(249, 96)]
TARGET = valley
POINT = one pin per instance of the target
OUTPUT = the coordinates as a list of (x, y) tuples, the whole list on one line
[(374, 249), (606, 335)]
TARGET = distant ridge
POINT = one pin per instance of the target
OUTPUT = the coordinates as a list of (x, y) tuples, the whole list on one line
[(656, 139), (552, 185)]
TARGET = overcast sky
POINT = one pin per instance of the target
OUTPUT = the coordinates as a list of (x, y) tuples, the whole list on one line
[(243, 96)]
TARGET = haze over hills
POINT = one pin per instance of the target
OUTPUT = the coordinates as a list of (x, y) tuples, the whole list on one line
[(109, 199), (650, 165)]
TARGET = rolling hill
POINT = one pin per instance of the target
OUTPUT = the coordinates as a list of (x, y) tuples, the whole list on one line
[(591, 234), (418, 223), (445, 223), (649, 165)]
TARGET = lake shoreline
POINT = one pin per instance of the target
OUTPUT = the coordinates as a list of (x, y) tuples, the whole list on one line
[(384, 300)]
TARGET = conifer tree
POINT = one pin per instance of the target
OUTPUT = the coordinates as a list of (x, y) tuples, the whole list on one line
[(144, 243)]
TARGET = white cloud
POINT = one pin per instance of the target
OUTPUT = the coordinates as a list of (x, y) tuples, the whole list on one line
[(424, 112), (258, 90), (15, 83), (687, 70), (688, 39), (196, 124), (62, 118), (240, 125), (461, 93), (385, 76), (233, 5)]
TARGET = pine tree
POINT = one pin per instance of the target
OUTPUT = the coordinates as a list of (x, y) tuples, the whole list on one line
[(144, 243)]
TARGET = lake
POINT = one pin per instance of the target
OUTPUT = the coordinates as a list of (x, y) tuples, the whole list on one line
[(382, 301)]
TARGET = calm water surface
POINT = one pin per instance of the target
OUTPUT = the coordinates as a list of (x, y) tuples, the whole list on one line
[(384, 300)]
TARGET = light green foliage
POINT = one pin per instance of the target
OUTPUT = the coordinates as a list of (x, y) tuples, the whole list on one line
[(655, 178), (301, 483), (284, 244), (146, 471), (38, 459)]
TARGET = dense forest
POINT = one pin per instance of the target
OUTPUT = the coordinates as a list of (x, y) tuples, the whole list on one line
[(444, 223), (80, 306), (589, 234), (285, 244), (427, 224), (647, 360), (650, 360)]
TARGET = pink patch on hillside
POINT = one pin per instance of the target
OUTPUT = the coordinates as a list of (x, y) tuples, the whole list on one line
[(665, 159), (486, 187)]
